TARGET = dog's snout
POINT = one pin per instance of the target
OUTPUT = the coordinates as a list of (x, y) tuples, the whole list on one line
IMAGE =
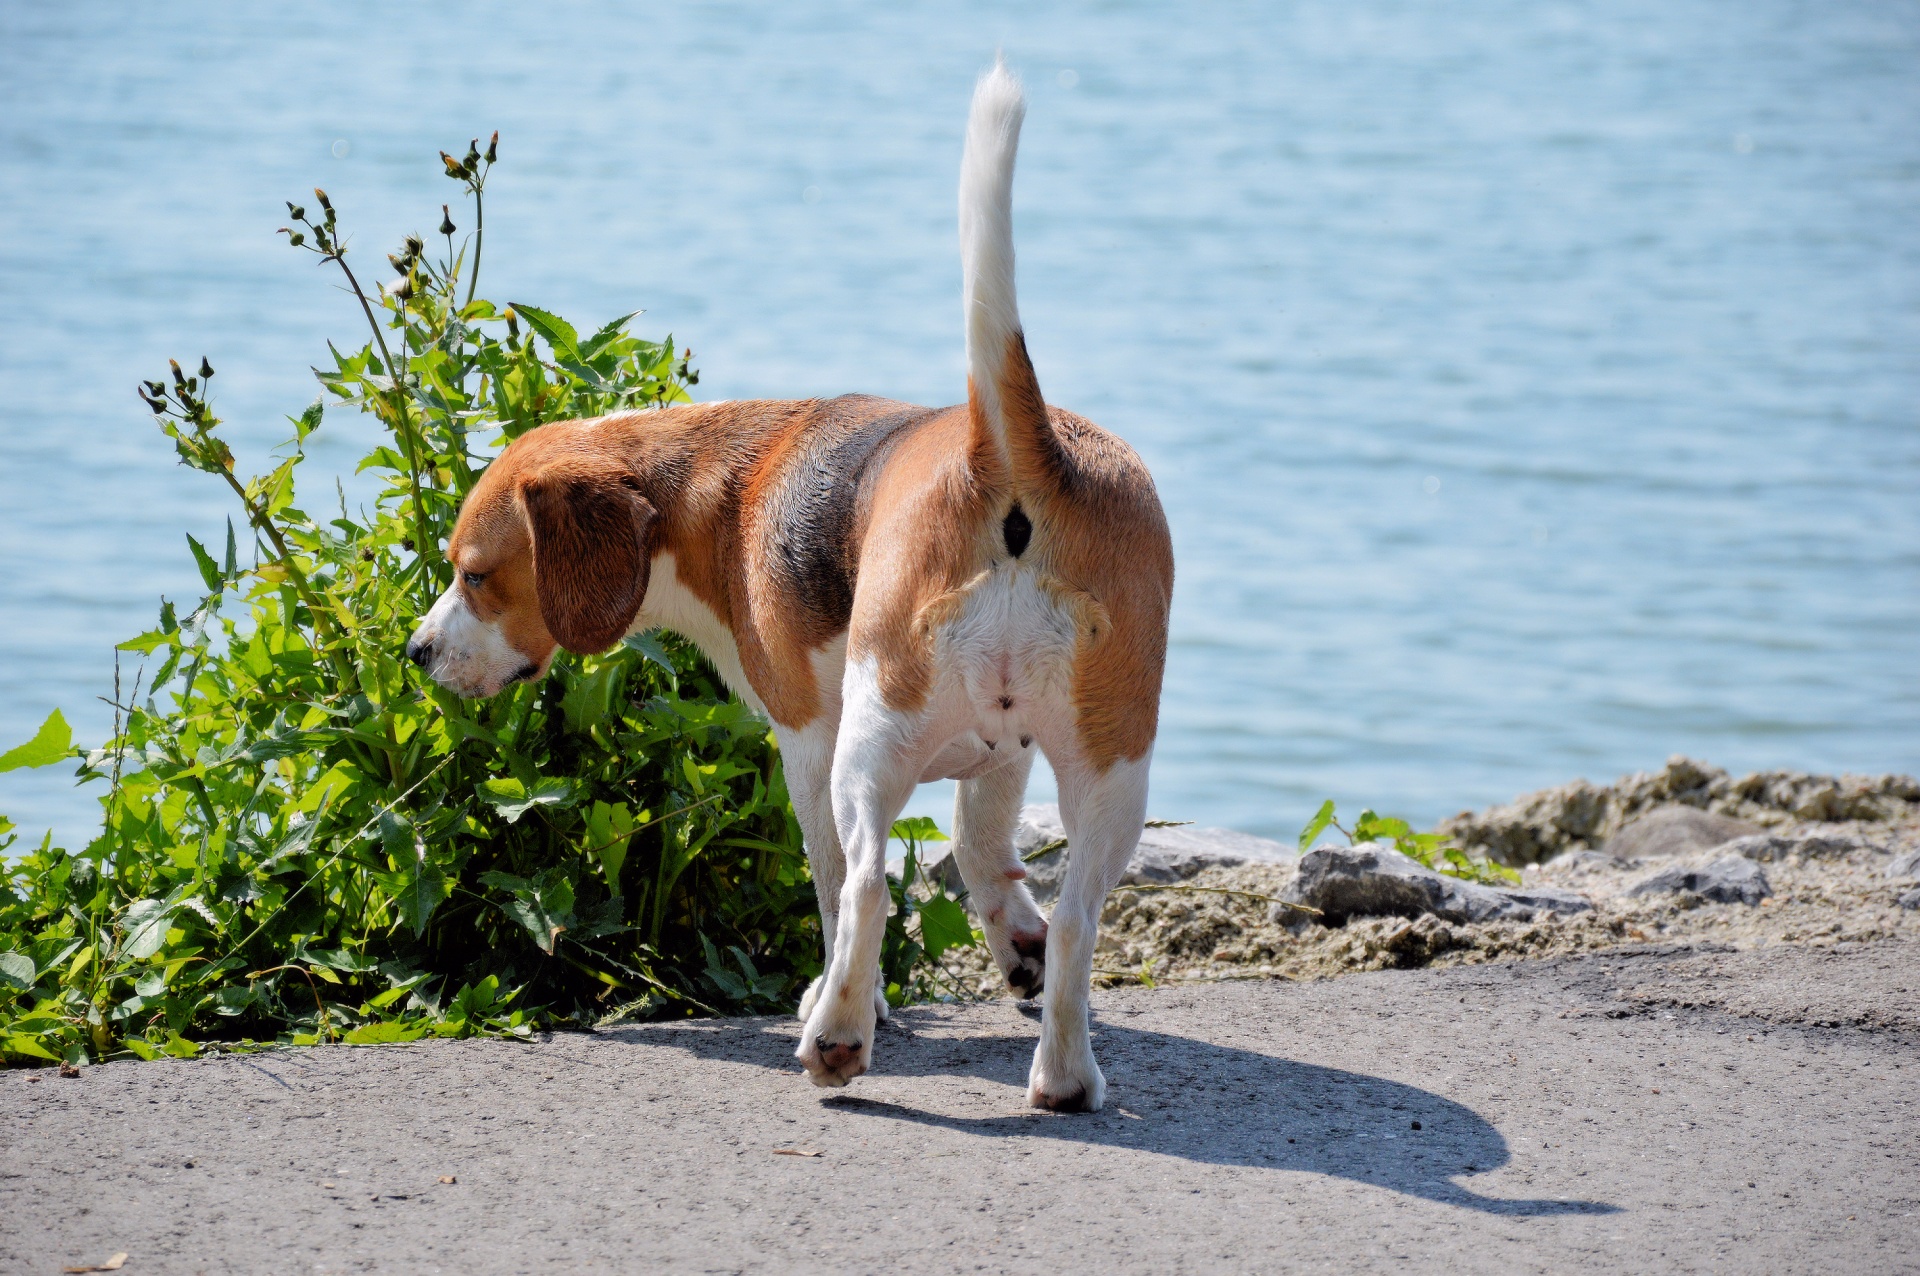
[(420, 650)]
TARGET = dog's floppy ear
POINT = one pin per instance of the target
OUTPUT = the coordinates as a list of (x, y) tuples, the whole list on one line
[(592, 536)]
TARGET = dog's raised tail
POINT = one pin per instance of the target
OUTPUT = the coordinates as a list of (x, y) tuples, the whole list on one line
[(1003, 397)]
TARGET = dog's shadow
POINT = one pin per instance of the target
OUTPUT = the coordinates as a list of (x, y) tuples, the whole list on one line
[(1172, 1095)]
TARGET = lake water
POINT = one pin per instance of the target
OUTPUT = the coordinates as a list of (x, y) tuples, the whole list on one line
[(1532, 387)]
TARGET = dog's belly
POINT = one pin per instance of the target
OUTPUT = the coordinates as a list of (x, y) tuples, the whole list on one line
[(969, 756)]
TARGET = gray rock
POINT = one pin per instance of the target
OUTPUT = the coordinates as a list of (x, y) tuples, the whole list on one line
[(1375, 880), (1165, 856), (1911, 899), (1668, 832), (1907, 865), (1535, 827), (1730, 879), (1581, 862), (1771, 848)]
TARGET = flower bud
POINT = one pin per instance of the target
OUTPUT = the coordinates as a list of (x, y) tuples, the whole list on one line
[(401, 265), (473, 154), (296, 239), (298, 213), (206, 369), (414, 245), (493, 146), (179, 377), (156, 388), (158, 405), (446, 221), (322, 197), (454, 167), (193, 383)]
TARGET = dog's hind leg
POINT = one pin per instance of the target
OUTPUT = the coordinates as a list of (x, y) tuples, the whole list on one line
[(1103, 813), (985, 812), (877, 761)]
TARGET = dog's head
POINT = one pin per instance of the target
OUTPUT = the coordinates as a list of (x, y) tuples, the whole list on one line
[(551, 550)]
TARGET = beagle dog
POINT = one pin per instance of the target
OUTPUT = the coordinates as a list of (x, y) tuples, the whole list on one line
[(908, 593)]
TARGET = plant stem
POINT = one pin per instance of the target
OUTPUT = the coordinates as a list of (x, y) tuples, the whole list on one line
[(366, 308), (479, 237), (423, 538)]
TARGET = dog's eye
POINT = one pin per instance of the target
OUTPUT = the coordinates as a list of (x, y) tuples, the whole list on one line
[(474, 579)]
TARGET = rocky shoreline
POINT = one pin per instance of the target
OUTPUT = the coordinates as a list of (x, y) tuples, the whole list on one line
[(1686, 855)]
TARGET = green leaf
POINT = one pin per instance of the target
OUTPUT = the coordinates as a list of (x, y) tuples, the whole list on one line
[(146, 643), (917, 828), (20, 1043), (51, 743), (648, 644), (16, 971), (729, 984), (544, 908), (209, 570), (609, 829), (420, 891), (1317, 825), (1381, 828), (534, 919), (307, 422), (339, 959), (382, 1034), (513, 799), (285, 744), (233, 999), (944, 925), (558, 332), (600, 340), (144, 925), (231, 567)]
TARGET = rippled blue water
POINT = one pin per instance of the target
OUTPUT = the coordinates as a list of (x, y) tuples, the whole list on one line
[(1532, 386)]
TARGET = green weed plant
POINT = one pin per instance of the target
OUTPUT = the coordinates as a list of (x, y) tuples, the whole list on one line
[(305, 840), (1434, 850)]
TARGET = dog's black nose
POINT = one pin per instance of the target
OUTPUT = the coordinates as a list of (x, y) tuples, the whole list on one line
[(419, 652)]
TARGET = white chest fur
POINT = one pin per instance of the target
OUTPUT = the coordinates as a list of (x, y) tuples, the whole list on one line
[(671, 605)]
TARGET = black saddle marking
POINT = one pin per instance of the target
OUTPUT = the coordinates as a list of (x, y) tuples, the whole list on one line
[(815, 509)]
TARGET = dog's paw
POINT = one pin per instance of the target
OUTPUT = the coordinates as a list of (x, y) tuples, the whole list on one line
[(1026, 968), (837, 1044), (1073, 1087), (832, 1064), (881, 1010)]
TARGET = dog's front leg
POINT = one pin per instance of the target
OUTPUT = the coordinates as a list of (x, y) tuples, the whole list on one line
[(1103, 813), (876, 764), (806, 754)]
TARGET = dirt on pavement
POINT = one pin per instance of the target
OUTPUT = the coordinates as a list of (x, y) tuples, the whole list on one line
[(1676, 1108)]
